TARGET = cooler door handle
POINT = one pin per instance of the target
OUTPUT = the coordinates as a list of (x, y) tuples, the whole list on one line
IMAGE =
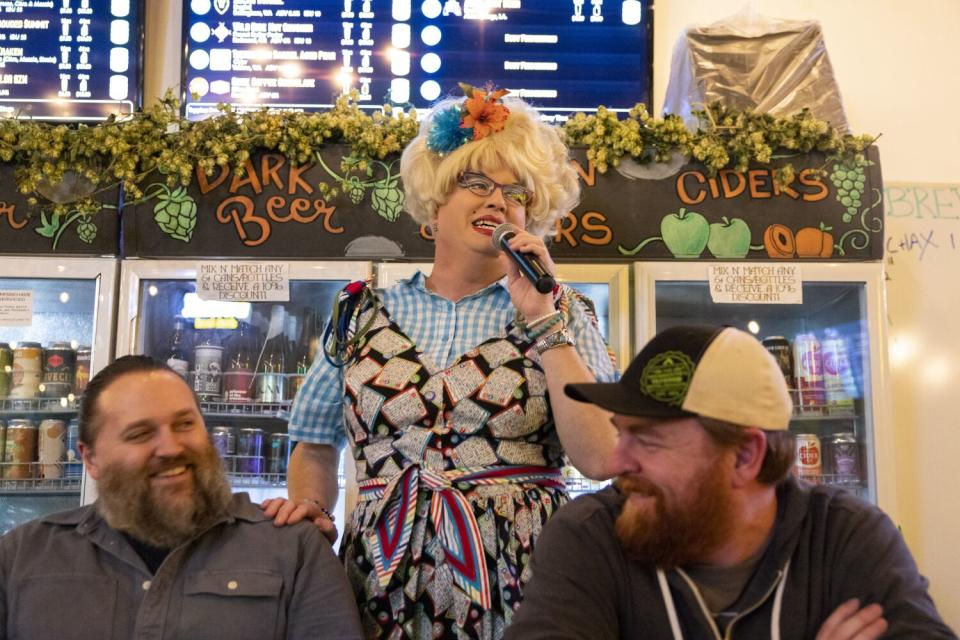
[(132, 332)]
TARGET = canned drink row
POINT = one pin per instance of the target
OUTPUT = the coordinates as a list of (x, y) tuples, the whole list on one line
[(818, 373), (835, 459), (55, 371), (251, 450), (48, 450)]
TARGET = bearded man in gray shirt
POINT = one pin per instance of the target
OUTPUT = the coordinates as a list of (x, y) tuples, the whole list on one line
[(166, 551), (706, 534)]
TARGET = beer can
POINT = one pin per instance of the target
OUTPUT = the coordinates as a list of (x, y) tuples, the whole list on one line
[(27, 370), (82, 376), (19, 450), (51, 448), (73, 467), (808, 367), (779, 347), (837, 374), (6, 368), (59, 363), (809, 465), (238, 385), (225, 442), (207, 359), (271, 387), (250, 451), (843, 456), (279, 453)]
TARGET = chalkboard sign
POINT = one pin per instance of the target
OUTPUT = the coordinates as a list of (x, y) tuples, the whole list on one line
[(302, 54), (27, 230), (70, 60), (828, 212)]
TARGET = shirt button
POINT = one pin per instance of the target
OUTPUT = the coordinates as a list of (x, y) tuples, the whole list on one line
[(146, 585), (232, 585)]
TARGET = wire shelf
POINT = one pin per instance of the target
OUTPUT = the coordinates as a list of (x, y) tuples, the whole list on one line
[(18, 406), (36, 477), (216, 409)]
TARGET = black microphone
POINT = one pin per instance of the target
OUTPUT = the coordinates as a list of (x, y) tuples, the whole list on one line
[(529, 265)]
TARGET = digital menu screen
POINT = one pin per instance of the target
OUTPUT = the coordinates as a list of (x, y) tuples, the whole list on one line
[(70, 60), (561, 56)]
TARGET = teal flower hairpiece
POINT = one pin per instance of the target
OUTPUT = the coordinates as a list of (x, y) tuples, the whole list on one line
[(479, 115)]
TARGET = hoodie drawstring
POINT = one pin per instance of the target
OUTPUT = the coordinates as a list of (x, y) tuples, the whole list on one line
[(675, 621), (778, 604)]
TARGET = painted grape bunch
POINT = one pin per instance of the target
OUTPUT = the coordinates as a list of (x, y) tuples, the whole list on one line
[(176, 214), (87, 231), (849, 180)]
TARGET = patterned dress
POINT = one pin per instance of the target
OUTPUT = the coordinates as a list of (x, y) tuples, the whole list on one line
[(458, 470)]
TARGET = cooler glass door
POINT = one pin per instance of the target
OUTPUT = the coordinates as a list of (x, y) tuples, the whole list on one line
[(834, 345), (245, 360), (56, 326), (606, 285)]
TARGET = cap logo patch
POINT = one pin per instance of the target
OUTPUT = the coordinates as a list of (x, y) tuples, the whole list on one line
[(666, 377)]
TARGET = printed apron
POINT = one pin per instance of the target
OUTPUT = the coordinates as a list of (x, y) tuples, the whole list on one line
[(458, 470)]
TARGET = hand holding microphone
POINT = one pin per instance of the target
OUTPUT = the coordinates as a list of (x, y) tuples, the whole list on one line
[(529, 265)]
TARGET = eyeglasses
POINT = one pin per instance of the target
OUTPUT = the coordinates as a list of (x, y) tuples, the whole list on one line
[(481, 185)]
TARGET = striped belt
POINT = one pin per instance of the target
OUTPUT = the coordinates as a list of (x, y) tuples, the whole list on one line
[(450, 512)]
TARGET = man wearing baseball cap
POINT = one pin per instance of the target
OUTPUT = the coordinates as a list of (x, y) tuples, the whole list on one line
[(705, 533)]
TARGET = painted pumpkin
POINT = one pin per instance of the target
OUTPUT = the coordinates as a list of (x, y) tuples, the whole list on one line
[(815, 243), (778, 241)]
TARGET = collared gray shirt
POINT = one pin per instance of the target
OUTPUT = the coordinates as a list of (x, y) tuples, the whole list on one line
[(70, 576)]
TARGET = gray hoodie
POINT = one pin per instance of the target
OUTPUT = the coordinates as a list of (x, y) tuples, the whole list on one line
[(827, 547)]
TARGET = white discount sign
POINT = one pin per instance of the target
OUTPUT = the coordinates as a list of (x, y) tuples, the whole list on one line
[(244, 281), (746, 283)]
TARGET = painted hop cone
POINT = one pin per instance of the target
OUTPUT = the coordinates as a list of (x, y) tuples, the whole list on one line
[(87, 231), (176, 214), (387, 199), (355, 190)]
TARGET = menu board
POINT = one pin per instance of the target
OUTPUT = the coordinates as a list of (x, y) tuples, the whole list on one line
[(560, 55), (69, 59)]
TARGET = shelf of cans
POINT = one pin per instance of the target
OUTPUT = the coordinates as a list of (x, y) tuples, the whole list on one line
[(818, 373), (37, 477), (40, 457), (39, 388)]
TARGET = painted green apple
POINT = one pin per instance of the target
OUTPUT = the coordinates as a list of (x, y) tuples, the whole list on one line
[(729, 238), (685, 233)]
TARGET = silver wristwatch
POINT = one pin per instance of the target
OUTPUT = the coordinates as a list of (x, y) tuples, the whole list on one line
[(556, 339)]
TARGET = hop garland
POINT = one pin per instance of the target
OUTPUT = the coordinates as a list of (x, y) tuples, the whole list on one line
[(124, 152)]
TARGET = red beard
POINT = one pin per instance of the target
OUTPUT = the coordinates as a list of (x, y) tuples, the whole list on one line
[(676, 531)]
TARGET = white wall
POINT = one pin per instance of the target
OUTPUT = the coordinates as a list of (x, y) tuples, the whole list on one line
[(895, 63)]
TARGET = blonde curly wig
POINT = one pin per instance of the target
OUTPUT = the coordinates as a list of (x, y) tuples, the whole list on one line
[(531, 149)]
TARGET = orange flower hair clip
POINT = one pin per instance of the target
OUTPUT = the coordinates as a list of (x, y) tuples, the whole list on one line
[(481, 114)]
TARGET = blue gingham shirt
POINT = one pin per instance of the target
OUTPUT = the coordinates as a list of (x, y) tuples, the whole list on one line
[(444, 330)]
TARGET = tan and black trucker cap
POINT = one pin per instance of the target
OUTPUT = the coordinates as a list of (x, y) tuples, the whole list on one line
[(716, 372)]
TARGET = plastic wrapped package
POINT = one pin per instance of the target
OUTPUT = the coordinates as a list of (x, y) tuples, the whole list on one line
[(768, 65)]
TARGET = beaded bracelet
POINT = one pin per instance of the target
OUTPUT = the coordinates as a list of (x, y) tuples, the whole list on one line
[(544, 327), (329, 516), (543, 318)]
